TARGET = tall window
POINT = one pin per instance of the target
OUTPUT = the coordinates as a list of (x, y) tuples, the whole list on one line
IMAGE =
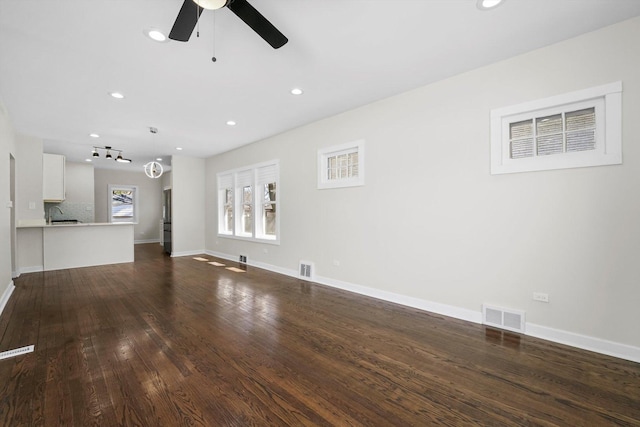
[(122, 203), (247, 202), (225, 195)]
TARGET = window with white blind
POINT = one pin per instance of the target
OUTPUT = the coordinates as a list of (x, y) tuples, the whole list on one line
[(247, 202), (578, 129), (341, 165)]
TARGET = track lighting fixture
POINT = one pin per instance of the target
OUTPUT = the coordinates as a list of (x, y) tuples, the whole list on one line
[(108, 149)]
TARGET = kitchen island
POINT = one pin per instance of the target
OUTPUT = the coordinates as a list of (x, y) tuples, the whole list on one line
[(56, 247)]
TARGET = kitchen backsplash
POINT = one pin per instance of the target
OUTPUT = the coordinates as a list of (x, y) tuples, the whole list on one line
[(83, 212)]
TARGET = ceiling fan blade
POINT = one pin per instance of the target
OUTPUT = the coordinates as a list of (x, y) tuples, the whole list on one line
[(258, 23), (186, 21)]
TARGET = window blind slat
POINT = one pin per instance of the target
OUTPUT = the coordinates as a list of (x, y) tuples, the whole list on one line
[(225, 181), (522, 148), (267, 174), (581, 141), (244, 178), (550, 144)]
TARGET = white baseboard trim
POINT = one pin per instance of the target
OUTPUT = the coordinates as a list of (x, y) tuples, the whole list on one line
[(187, 253), (584, 342), (15, 274), (32, 269), (137, 242), (6, 295)]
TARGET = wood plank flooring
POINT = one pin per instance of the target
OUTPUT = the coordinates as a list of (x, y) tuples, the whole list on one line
[(178, 342)]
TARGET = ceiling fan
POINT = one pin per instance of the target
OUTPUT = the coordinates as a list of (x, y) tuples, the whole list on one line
[(191, 10)]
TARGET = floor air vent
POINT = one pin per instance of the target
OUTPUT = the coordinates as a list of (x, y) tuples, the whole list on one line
[(16, 352), (504, 318), (306, 270)]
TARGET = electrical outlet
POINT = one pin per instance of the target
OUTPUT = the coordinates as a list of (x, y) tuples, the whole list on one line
[(540, 296)]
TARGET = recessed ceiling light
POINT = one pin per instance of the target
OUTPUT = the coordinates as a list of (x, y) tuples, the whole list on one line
[(488, 4), (88, 160), (94, 135), (155, 35), (179, 148), (231, 123), (296, 91), (116, 95), (159, 159)]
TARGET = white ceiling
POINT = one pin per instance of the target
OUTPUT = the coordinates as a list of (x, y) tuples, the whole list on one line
[(60, 58)]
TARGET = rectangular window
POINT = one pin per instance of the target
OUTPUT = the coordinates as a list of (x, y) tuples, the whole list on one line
[(247, 202), (123, 203), (578, 129), (341, 165), (225, 194)]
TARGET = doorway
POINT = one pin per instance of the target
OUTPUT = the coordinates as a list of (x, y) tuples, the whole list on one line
[(166, 218), (12, 221)]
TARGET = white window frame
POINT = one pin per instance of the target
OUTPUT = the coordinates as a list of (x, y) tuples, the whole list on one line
[(136, 205), (239, 179), (324, 154), (224, 182), (606, 99)]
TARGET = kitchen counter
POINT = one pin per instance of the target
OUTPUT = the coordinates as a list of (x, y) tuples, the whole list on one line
[(42, 224), (60, 246)]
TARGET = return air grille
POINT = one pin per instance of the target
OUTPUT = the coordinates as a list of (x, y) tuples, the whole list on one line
[(503, 318), (305, 270)]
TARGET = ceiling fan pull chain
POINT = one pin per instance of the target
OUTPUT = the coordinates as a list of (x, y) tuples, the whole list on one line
[(198, 20), (213, 58)]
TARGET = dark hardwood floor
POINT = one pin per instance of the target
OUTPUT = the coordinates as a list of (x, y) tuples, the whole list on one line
[(175, 341)]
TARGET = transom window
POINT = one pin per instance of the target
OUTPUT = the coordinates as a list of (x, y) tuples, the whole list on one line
[(578, 129), (247, 202), (341, 165)]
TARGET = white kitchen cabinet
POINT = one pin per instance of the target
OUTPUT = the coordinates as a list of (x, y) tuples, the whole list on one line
[(53, 185)]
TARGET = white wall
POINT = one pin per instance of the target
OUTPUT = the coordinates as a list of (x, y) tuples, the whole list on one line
[(79, 183), (432, 225), (149, 200), (188, 207), (29, 179), (7, 148)]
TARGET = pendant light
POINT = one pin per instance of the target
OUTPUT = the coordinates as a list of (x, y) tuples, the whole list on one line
[(153, 169)]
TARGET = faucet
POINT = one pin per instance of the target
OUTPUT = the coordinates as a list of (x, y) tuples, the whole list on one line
[(51, 215)]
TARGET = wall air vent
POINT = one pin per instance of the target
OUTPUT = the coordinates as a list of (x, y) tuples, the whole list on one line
[(305, 270), (503, 318)]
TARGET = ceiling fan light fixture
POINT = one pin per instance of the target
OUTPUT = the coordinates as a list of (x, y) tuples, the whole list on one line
[(488, 4), (211, 4)]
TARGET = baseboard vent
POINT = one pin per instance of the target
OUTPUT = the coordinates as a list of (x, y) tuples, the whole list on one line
[(306, 270), (243, 259), (16, 352), (504, 318)]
